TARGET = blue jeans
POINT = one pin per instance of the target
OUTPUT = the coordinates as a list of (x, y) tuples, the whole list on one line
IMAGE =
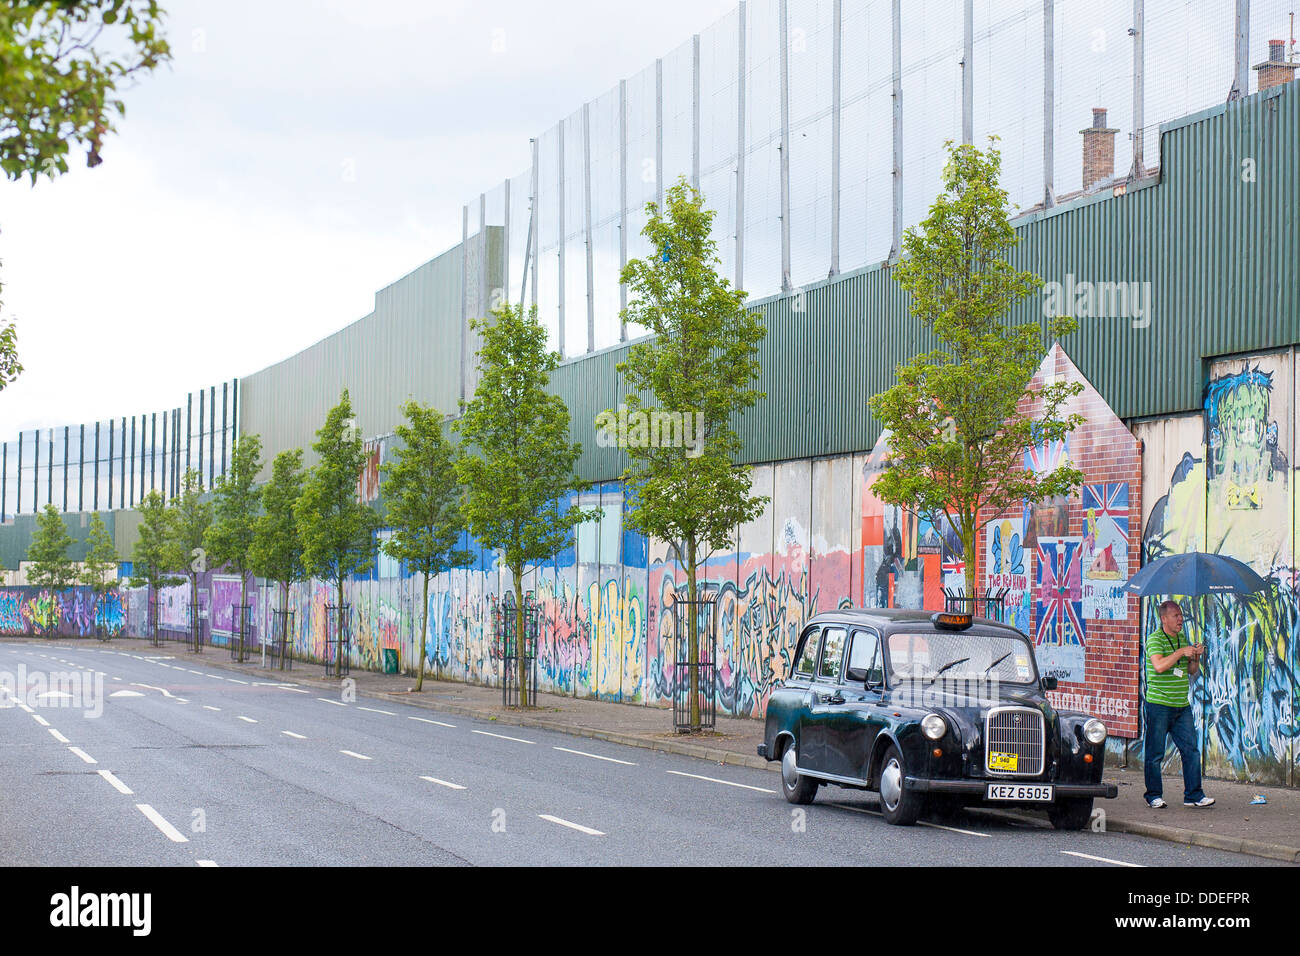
[(1161, 722)]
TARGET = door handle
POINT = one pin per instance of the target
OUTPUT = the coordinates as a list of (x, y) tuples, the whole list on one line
[(832, 699)]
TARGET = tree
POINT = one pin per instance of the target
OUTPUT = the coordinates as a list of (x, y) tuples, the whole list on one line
[(517, 461), (192, 517), (50, 567), (700, 367), (235, 502), (337, 530), (62, 64), (276, 552), (422, 496), (957, 430), (101, 561), (152, 556)]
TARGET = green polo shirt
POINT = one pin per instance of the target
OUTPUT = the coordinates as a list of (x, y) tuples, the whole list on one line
[(1171, 687)]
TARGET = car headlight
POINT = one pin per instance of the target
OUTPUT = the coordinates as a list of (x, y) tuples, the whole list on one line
[(1094, 730), (933, 726)]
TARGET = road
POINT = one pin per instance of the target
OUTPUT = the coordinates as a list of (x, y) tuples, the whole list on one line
[(192, 764)]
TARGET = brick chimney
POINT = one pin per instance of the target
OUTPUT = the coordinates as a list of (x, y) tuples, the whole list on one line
[(1275, 70), (1098, 149)]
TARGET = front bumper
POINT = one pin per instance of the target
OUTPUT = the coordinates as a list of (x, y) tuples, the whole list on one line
[(976, 788)]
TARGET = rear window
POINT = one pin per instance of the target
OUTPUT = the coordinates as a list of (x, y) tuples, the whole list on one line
[(806, 666)]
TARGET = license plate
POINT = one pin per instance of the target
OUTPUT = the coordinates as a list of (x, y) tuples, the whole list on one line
[(1034, 792), (1000, 761)]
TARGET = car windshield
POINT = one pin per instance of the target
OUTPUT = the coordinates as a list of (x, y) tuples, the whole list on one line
[(942, 656)]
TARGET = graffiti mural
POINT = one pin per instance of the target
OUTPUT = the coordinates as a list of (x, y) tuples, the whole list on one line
[(28, 610), (1233, 494)]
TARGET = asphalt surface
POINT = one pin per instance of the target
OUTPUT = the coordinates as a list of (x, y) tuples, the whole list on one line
[(196, 764)]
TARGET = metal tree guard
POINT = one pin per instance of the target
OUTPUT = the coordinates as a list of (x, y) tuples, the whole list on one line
[(151, 620), (504, 622), (991, 603), (241, 632), (282, 638), (703, 610), (195, 640), (338, 627)]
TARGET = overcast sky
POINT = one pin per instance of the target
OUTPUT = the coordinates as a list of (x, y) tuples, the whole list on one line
[(294, 158)]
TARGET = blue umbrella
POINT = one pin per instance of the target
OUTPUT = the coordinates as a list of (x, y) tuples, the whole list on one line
[(1194, 574)]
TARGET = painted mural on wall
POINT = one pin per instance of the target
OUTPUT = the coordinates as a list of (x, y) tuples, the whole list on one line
[(29, 610), (1234, 495), (1061, 631), (1007, 566), (1105, 551)]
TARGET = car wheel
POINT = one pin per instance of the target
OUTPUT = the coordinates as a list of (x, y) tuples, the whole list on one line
[(1071, 813), (797, 787), (899, 805)]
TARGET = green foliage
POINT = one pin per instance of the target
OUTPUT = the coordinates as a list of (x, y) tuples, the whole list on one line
[(99, 570), (10, 367), (422, 495), (193, 517), (519, 460), (50, 565), (152, 557), (703, 360), (63, 64), (956, 434), (336, 529), (276, 552), (235, 502)]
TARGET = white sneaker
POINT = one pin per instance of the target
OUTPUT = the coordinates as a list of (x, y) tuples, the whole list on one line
[(1157, 804), (1203, 802)]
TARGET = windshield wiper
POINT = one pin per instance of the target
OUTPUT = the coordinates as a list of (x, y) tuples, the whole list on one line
[(945, 667), (997, 662)]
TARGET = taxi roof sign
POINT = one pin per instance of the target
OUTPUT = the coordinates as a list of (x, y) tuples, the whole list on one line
[(951, 620)]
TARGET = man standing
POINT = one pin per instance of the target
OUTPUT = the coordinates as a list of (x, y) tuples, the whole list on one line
[(1170, 664)]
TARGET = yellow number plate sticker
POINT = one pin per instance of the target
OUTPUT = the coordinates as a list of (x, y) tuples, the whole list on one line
[(999, 761)]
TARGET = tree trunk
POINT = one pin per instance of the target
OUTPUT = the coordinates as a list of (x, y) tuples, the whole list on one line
[(424, 630), (968, 537), (338, 633), (693, 632), (520, 642), (243, 603)]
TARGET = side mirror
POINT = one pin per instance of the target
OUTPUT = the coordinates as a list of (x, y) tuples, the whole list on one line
[(1049, 683), (856, 675)]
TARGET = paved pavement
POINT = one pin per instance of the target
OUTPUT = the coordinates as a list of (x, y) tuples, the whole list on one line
[(250, 766)]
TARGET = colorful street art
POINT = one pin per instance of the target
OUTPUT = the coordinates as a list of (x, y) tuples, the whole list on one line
[(1007, 565), (1105, 551), (1234, 494), (28, 610), (1058, 608)]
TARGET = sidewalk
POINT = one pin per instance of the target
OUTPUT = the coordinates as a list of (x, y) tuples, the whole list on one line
[(1271, 830)]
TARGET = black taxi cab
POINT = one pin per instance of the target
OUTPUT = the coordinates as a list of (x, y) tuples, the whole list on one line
[(932, 711)]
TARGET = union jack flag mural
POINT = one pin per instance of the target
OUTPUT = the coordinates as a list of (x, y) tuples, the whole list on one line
[(1058, 602), (1108, 505), (1048, 456)]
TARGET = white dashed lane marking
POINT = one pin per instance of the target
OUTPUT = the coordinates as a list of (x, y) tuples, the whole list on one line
[(426, 720), (743, 786), (443, 783), (158, 820), (572, 826), (1101, 859), (518, 740), (357, 755), (118, 785), (583, 753), (83, 755)]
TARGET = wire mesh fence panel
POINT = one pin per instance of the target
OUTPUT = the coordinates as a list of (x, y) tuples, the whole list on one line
[(762, 227), (242, 634), (866, 143), (1007, 92), (719, 90)]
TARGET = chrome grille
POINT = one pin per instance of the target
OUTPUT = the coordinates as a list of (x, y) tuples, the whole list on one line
[(1015, 730)]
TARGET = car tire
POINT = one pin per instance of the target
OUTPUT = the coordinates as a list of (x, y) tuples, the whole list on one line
[(1071, 813), (898, 804), (797, 787)]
